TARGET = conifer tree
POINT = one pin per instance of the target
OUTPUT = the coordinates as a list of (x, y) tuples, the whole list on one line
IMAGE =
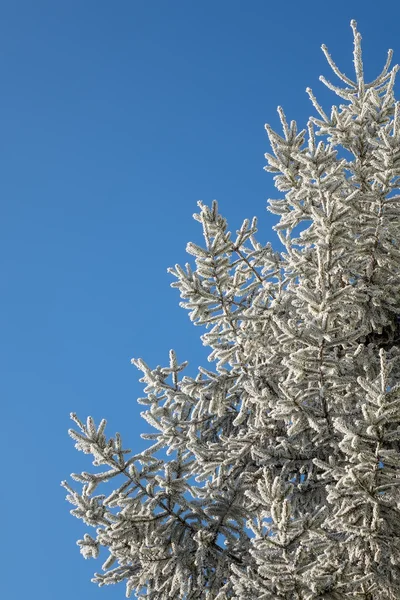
[(275, 475)]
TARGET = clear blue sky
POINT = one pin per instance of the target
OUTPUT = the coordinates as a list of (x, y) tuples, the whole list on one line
[(116, 117)]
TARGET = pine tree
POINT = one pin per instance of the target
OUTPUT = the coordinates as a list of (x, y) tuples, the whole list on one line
[(276, 475)]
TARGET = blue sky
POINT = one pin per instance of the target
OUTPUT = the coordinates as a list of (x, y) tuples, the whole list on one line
[(116, 117)]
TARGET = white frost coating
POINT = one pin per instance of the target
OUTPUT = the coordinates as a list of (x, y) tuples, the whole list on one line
[(282, 470)]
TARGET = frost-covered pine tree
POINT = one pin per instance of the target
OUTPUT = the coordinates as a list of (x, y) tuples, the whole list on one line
[(276, 475)]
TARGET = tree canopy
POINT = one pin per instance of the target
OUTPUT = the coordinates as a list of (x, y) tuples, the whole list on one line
[(276, 475)]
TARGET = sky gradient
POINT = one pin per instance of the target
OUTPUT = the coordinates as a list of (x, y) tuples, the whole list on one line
[(116, 118)]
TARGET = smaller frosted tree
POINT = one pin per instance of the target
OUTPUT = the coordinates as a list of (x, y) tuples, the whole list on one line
[(275, 475)]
